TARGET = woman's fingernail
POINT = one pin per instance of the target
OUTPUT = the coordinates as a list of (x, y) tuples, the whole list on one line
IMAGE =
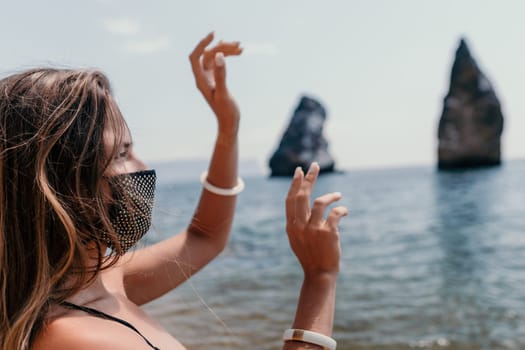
[(314, 164), (219, 59), (337, 194), (296, 173)]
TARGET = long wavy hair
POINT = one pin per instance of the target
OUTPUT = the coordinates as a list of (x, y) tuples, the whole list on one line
[(52, 192)]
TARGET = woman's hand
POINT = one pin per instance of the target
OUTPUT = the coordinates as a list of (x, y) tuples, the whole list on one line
[(315, 242), (209, 69), (314, 239)]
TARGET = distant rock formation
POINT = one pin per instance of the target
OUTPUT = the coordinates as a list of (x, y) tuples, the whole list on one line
[(303, 141), (471, 123)]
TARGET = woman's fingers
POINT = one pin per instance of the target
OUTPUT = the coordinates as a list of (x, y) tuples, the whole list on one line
[(219, 74), (298, 198), (302, 208), (295, 186), (227, 48), (320, 205), (335, 215), (311, 176), (195, 56), (209, 67), (201, 46)]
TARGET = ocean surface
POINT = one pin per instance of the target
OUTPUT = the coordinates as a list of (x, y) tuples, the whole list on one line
[(431, 260)]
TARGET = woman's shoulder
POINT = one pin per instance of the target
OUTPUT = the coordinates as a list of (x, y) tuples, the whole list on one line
[(84, 333)]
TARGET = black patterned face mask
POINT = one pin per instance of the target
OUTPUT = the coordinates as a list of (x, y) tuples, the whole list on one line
[(131, 211)]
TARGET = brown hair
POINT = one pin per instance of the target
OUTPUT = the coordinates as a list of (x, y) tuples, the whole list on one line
[(52, 197)]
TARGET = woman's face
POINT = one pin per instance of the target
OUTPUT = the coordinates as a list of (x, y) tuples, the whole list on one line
[(125, 161), (132, 203)]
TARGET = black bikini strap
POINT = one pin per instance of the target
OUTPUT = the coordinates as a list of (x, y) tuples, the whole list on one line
[(101, 314)]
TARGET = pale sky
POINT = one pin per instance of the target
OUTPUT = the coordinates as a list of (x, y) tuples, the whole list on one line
[(380, 67)]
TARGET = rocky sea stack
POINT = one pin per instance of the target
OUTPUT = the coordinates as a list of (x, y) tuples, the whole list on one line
[(303, 141), (471, 124)]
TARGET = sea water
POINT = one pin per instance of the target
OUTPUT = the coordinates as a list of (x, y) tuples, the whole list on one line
[(431, 260)]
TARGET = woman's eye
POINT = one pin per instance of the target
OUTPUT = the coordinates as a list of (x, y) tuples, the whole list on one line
[(122, 154)]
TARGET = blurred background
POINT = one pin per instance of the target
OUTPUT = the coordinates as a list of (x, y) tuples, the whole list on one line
[(381, 68)]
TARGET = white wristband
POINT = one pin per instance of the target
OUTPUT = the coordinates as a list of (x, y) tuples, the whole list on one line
[(219, 190), (310, 337)]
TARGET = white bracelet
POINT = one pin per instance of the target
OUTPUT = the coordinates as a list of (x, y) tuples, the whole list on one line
[(219, 190), (310, 337)]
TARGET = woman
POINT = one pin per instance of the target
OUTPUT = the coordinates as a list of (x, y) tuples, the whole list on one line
[(75, 197)]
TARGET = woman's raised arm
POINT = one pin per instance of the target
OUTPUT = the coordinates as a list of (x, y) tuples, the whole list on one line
[(159, 268)]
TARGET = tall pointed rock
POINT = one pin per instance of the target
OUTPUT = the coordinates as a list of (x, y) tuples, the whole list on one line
[(471, 124), (303, 141)]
